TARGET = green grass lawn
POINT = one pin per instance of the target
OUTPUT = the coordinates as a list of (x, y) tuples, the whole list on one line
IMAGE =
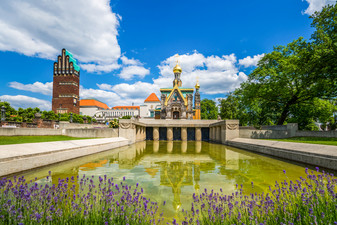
[(8, 140), (310, 140)]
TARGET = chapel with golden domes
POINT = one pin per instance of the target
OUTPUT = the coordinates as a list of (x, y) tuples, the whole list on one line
[(177, 102)]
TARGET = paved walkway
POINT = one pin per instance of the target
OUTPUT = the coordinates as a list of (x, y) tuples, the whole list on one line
[(293, 146), (8, 152), (20, 157), (317, 155)]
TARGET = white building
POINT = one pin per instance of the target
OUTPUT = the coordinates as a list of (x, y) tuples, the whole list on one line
[(151, 103), (116, 112), (120, 111), (90, 107)]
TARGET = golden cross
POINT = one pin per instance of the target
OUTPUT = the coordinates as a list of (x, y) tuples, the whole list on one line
[(177, 56)]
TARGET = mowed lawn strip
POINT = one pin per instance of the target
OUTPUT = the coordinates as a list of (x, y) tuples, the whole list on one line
[(9, 140), (310, 140)]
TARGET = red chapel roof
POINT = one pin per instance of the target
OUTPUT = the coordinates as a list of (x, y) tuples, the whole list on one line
[(152, 98)]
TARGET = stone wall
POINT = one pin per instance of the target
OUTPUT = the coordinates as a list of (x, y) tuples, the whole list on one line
[(263, 134), (284, 131), (90, 133), (39, 123), (269, 132), (28, 131), (328, 134), (67, 125)]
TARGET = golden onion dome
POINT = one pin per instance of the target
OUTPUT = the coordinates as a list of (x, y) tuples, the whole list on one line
[(177, 69), (197, 86)]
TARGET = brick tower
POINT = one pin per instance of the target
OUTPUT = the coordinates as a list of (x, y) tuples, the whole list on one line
[(66, 84)]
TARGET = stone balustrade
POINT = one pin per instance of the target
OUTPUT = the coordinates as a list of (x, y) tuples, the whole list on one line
[(217, 131)]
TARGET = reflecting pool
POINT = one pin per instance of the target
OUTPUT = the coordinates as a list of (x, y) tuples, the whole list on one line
[(173, 171)]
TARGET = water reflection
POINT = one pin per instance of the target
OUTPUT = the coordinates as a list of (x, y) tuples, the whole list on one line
[(174, 170)]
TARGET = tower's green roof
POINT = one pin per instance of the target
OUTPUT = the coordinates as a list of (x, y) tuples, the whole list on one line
[(71, 59)]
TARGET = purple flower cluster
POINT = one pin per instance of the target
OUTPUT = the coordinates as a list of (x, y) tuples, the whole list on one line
[(310, 200), (90, 200), (75, 201)]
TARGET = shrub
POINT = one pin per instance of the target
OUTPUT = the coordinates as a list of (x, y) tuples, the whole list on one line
[(114, 123)]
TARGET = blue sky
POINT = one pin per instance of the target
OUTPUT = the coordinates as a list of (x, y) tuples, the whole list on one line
[(126, 48)]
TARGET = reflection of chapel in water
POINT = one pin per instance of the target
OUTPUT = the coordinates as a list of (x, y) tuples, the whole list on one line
[(177, 164), (176, 170), (177, 175)]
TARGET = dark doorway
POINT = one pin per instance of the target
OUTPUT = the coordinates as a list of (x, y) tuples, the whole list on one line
[(205, 133), (176, 133), (162, 133), (190, 133), (149, 133), (176, 115)]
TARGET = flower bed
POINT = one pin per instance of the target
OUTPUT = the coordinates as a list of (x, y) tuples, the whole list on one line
[(310, 200), (65, 203)]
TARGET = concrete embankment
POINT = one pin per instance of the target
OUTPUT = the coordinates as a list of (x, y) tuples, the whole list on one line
[(21, 157), (317, 155)]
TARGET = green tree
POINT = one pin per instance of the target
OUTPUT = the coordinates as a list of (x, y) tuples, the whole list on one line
[(325, 39), (49, 115), (64, 116), (231, 107), (284, 78), (77, 118), (293, 78), (9, 111), (209, 110), (316, 111), (28, 114)]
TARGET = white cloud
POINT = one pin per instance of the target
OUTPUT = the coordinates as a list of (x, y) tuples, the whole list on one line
[(132, 71), (127, 61), (188, 62), (128, 93), (42, 28), (138, 90), (250, 61), (215, 63), (96, 68), (106, 87), (36, 87), (217, 75), (23, 101), (109, 97), (317, 5)]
